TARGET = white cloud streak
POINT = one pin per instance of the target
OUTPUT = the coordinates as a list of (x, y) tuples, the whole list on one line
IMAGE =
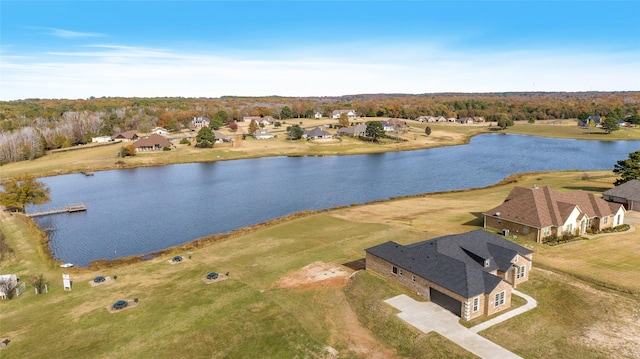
[(108, 70), (68, 34)]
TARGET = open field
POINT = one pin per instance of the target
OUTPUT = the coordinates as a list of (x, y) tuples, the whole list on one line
[(288, 295), (105, 157)]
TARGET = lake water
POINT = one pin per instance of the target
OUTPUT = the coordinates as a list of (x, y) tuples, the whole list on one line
[(139, 211)]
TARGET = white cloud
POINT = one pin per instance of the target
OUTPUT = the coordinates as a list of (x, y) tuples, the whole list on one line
[(68, 34), (108, 70)]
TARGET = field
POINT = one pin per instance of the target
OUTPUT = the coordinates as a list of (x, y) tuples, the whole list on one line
[(94, 158), (292, 290)]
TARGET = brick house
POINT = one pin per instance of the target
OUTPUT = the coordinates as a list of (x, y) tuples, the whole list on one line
[(536, 213), (627, 194), (470, 274), (152, 143)]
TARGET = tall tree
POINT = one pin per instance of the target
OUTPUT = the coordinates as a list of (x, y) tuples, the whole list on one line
[(21, 191), (205, 138), (294, 132), (628, 169), (427, 131), (610, 124), (253, 127), (286, 112), (374, 130), (344, 120)]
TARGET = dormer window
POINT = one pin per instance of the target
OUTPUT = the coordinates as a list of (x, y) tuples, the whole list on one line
[(516, 260), (487, 262)]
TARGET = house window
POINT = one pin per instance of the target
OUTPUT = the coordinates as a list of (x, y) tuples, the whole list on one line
[(522, 271), (568, 228), (516, 259), (606, 220), (619, 221), (547, 231), (525, 230), (413, 278), (400, 271), (476, 304), (394, 269), (499, 299)]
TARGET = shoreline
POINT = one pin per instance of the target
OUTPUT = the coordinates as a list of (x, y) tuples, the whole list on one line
[(200, 242)]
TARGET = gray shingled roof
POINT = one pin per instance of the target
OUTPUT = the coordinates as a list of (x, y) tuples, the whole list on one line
[(455, 262), (629, 190)]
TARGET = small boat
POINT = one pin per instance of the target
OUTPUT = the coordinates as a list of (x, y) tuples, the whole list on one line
[(66, 265)]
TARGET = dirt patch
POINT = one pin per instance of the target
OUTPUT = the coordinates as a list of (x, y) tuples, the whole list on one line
[(317, 274), (620, 333), (131, 303), (220, 278), (4, 342), (182, 260), (106, 280)]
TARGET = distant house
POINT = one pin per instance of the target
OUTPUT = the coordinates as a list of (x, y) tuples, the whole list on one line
[(441, 119), (353, 131), (160, 131), (387, 126), (465, 120), (537, 213), (126, 136), (470, 274), (397, 123), (264, 121), (317, 134), (199, 122), (262, 134), (152, 143), (478, 119), (221, 137), (628, 194), (317, 115), (426, 119), (451, 119), (597, 121), (101, 139), (350, 114)]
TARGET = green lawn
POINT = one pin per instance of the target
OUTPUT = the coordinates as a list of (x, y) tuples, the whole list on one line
[(248, 315)]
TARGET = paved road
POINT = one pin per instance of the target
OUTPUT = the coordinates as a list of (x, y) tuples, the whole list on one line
[(428, 316)]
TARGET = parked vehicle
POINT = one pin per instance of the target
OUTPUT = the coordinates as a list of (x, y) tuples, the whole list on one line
[(177, 259), (121, 304), (99, 279), (212, 275)]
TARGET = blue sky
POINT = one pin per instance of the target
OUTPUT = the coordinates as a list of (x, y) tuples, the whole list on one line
[(78, 49)]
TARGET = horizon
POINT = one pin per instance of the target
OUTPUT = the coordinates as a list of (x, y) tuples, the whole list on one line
[(214, 49)]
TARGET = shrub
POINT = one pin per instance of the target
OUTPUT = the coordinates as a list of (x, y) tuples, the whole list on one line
[(165, 148), (185, 141)]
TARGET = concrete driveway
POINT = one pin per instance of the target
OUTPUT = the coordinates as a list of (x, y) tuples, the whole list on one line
[(428, 316)]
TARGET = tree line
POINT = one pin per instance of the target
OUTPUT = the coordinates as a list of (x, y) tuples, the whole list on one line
[(28, 128)]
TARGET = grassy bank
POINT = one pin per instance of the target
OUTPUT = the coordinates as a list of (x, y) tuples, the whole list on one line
[(98, 158), (251, 314)]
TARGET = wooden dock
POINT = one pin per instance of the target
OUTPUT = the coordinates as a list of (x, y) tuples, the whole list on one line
[(70, 208)]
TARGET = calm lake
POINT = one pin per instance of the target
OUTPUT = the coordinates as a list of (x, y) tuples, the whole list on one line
[(139, 211)]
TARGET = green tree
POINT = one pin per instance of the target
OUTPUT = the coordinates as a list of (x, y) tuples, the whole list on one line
[(634, 119), (253, 127), (504, 121), (21, 191), (427, 131), (205, 138), (374, 130), (610, 124), (294, 132), (286, 112), (628, 169)]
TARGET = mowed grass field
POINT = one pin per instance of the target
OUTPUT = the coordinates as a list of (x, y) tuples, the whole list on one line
[(250, 315)]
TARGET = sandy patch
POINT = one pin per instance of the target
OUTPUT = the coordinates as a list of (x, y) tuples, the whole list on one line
[(106, 280), (317, 274), (220, 278), (184, 259), (131, 304)]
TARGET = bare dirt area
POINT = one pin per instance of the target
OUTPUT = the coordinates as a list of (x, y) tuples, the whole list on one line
[(620, 332), (220, 278), (106, 280), (131, 303), (315, 275)]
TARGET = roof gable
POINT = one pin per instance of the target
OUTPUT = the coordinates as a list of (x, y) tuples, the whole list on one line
[(456, 262), (629, 190)]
